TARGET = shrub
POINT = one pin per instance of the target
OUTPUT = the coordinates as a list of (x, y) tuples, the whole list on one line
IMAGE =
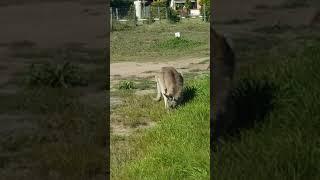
[(173, 16), (56, 75), (126, 85)]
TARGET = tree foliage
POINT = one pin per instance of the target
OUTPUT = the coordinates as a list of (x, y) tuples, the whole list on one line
[(206, 4), (121, 3)]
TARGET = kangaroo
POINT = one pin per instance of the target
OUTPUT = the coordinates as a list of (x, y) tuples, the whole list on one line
[(169, 86), (222, 48), (223, 70)]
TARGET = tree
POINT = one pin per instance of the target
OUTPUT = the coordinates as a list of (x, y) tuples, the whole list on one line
[(206, 4), (188, 6)]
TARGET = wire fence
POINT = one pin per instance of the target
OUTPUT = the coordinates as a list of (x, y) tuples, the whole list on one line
[(127, 16)]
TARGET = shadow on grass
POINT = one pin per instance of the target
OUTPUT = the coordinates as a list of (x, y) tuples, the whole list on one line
[(189, 93), (248, 105)]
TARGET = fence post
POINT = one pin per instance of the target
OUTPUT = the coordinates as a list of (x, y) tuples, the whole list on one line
[(204, 12), (166, 12), (144, 11), (159, 13), (149, 14), (117, 14), (134, 16), (111, 18)]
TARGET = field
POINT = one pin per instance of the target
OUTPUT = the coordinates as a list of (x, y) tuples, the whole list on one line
[(147, 142), (156, 43)]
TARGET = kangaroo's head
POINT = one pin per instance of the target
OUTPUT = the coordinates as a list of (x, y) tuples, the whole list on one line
[(171, 100)]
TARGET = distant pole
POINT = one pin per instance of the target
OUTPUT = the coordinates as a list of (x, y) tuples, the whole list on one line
[(117, 14), (159, 13), (134, 17), (149, 14), (110, 18), (166, 12), (204, 12)]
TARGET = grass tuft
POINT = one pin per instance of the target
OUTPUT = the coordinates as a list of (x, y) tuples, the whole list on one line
[(123, 85)]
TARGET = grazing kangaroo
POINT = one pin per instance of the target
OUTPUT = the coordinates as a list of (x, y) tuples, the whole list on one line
[(169, 86), (223, 60)]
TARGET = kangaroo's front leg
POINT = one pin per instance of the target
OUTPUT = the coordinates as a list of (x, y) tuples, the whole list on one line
[(158, 98), (165, 101)]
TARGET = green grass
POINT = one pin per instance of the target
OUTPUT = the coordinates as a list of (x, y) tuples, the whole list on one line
[(155, 41), (176, 148), (177, 43), (286, 145)]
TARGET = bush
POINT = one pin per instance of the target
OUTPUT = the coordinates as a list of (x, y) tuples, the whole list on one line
[(173, 16), (56, 75)]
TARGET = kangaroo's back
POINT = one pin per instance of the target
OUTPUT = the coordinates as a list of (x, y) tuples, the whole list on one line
[(172, 81)]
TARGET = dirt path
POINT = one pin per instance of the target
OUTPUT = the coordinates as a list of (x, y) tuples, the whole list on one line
[(127, 69)]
